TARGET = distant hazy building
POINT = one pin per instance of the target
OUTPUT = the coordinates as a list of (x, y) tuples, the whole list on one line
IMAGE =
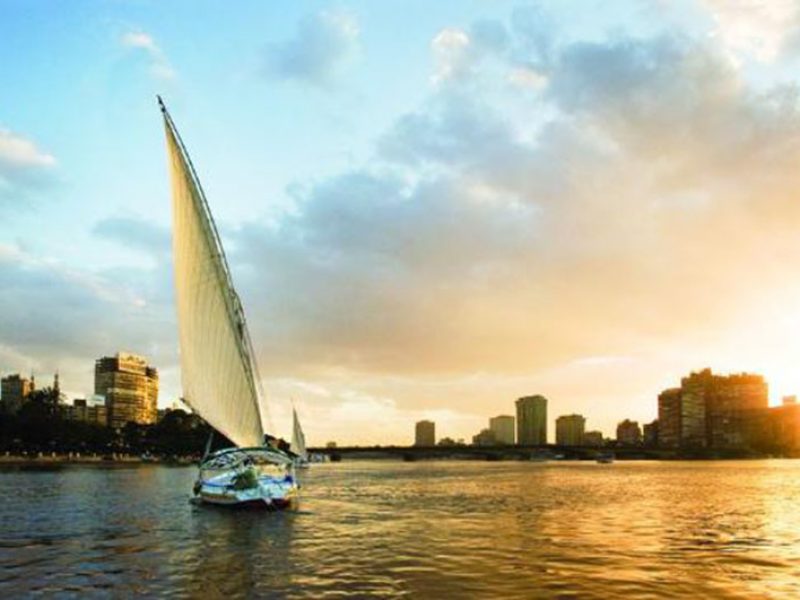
[(130, 388), (532, 420), (650, 434), (570, 430), (593, 438), (485, 438), (629, 433), (425, 433), (14, 390), (502, 427)]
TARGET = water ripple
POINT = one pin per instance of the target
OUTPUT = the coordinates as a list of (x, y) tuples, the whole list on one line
[(466, 529)]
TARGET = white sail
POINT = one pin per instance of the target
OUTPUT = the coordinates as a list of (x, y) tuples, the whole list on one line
[(218, 371), (298, 439)]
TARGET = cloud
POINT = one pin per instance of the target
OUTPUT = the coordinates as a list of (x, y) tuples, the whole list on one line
[(159, 66), (617, 213), (758, 29), (451, 54), (521, 52), (23, 166), (321, 48), (68, 317), (135, 233), (524, 77)]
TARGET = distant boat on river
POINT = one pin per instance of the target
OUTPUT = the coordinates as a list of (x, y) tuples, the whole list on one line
[(605, 458)]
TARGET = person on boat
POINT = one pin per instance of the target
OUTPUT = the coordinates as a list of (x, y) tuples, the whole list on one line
[(277, 443)]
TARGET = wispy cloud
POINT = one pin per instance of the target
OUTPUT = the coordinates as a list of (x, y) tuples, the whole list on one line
[(322, 46), (19, 152), (23, 166), (160, 67)]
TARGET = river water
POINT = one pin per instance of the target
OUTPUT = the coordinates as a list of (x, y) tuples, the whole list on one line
[(428, 529)]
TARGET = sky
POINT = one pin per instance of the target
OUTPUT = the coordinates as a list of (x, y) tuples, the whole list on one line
[(429, 209)]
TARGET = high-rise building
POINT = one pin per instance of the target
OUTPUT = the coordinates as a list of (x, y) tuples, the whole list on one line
[(712, 411), (693, 412), (532, 420), (779, 432), (502, 427), (425, 433), (130, 388), (669, 418), (14, 390), (629, 433), (650, 434), (570, 430), (730, 405)]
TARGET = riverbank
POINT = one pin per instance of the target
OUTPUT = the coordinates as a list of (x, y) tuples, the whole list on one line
[(46, 460)]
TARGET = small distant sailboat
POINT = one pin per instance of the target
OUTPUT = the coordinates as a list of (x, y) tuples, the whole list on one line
[(298, 446), (218, 367)]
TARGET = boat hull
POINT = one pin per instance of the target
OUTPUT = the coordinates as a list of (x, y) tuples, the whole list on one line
[(246, 504), (266, 492)]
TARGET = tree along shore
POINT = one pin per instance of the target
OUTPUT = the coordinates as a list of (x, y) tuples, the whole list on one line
[(40, 432)]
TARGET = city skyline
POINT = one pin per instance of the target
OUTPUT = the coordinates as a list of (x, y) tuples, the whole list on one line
[(724, 428), (506, 218)]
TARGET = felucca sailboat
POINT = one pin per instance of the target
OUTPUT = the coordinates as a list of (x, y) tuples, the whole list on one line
[(298, 446), (218, 366)]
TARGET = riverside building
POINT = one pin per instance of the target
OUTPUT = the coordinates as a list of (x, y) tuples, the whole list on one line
[(650, 434), (570, 430), (86, 413), (532, 420), (130, 388), (593, 438), (502, 427), (14, 390), (712, 411), (486, 437), (425, 433), (629, 433)]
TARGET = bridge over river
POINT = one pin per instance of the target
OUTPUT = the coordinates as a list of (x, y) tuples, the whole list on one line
[(550, 451)]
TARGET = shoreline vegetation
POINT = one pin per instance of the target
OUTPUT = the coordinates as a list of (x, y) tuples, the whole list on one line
[(39, 433)]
